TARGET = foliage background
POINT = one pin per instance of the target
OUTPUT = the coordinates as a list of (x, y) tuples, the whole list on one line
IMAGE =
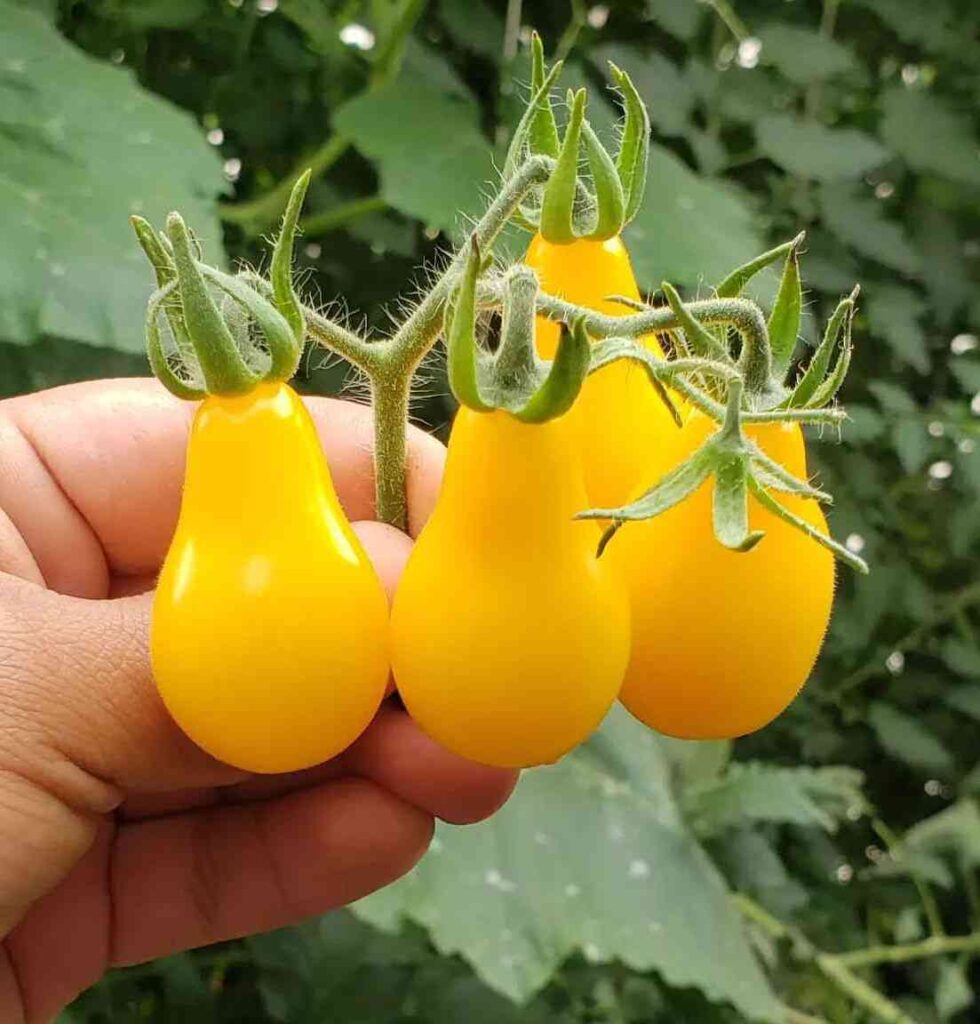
[(604, 891)]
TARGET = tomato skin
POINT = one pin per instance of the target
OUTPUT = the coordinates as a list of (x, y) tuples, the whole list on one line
[(619, 419), (509, 638), (723, 641), (269, 637)]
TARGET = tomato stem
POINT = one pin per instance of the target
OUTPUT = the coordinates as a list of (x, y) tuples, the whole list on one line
[(390, 399)]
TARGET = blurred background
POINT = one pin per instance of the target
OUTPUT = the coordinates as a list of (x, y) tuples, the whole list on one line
[(641, 880)]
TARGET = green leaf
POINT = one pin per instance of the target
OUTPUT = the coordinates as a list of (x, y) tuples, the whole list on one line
[(861, 223), (953, 991), (893, 398), (908, 925), (906, 739), (69, 180), (944, 269), (893, 314), (590, 855), (812, 151), (803, 55), (332, 968), (758, 792), (941, 142), (784, 320), (433, 161), (906, 863), (911, 444), (752, 865), (689, 229)]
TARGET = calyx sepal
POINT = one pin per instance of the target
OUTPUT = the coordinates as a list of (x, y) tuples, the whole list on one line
[(738, 467), (226, 336), (514, 378), (570, 206)]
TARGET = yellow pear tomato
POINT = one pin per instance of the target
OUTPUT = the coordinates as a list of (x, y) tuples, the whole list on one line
[(618, 417), (509, 637), (269, 634), (722, 640)]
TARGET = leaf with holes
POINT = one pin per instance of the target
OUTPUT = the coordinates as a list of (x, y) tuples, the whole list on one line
[(590, 856)]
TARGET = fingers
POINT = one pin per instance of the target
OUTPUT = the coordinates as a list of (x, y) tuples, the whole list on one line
[(227, 871), (90, 476), (397, 755), (209, 875), (62, 945)]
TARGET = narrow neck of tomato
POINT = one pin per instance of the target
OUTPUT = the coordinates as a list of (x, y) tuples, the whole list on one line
[(513, 478)]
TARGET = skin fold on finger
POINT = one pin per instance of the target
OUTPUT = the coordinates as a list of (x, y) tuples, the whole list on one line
[(396, 754), (221, 872), (393, 752), (209, 875)]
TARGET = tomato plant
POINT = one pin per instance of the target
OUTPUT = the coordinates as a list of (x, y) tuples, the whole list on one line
[(852, 120)]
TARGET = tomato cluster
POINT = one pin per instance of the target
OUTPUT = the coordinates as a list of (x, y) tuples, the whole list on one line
[(511, 632), (509, 638)]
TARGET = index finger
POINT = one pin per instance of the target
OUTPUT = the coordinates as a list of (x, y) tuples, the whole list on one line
[(90, 475)]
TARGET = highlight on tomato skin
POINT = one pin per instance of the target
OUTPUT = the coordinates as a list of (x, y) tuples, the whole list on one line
[(269, 637), (509, 638), (723, 641)]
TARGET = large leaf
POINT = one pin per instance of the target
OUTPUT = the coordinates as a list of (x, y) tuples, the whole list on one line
[(433, 161), (942, 142), (811, 150), (82, 146), (689, 230), (590, 855)]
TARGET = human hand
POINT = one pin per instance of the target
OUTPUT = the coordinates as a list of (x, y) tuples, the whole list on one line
[(119, 839)]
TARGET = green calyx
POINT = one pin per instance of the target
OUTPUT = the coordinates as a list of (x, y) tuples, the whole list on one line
[(571, 206), (513, 378), (747, 385), (738, 467), (768, 383), (225, 336)]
